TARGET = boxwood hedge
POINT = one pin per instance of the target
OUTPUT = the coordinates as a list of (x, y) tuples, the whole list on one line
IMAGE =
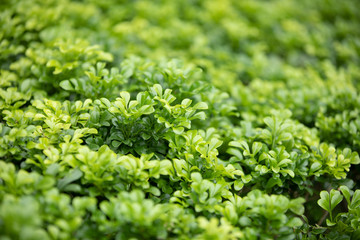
[(192, 119)]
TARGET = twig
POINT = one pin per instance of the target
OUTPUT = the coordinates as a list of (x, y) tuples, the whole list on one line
[(307, 196), (323, 218)]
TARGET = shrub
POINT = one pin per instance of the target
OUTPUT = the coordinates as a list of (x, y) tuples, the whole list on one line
[(179, 119)]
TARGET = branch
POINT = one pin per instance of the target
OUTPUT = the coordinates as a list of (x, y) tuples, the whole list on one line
[(323, 218)]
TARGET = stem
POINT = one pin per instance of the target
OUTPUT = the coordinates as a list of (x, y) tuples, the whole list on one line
[(331, 218)]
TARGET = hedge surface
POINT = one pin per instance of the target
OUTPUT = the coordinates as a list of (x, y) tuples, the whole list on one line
[(192, 119)]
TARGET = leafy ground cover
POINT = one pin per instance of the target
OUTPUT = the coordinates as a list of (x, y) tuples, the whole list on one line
[(179, 119)]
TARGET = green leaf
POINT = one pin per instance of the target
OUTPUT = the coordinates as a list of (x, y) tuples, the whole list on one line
[(329, 202), (296, 206), (238, 185), (178, 130), (335, 197), (196, 176), (53, 169), (46, 183), (72, 176), (355, 201), (330, 223), (154, 190), (256, 147), (345, 191), (315, 167), (95, 115), (66, 85), (126, 97), (295, 222), (201, 106), (186, 102), (324, 201), (272, 182), (115, 143), (158, 89)]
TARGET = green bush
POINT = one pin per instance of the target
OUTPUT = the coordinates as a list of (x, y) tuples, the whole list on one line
[(179, 119)]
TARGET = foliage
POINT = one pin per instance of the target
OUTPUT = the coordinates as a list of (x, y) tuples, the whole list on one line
[(179, 119)]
